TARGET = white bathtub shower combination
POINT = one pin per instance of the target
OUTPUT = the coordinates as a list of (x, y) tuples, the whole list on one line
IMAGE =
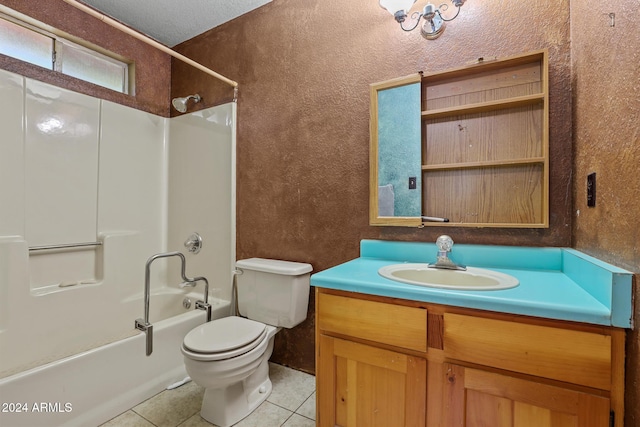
[(76, 169), (94, 386)]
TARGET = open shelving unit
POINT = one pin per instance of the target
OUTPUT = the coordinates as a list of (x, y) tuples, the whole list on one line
[(485, 143)]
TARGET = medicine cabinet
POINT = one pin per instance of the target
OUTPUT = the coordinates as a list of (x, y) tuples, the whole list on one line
[(468, 145)]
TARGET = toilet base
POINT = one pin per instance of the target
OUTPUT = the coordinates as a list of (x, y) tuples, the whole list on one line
[(225, 407)]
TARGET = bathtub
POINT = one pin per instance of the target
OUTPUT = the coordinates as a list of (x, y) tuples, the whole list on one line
[(92, 387)]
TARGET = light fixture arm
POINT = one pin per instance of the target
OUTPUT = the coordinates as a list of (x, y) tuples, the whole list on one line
[(443, 7), (415, 16), (434, 19)]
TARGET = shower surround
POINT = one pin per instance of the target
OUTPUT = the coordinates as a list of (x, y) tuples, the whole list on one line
[(77, 169)]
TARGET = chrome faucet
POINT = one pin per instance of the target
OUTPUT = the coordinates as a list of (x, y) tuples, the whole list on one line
[(444, 244), (193, 243), (143, 324)]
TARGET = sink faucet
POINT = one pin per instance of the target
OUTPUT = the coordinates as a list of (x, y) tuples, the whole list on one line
[(445, 243)]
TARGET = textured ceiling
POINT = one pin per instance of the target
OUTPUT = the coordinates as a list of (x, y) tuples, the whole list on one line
[(173, 21)]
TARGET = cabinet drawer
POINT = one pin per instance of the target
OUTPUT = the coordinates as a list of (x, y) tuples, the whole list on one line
[(390, 324), (573, 356)]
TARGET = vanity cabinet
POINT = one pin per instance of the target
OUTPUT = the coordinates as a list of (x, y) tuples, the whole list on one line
[(373, 369), (476, 397), (391, 362), (370, 386)]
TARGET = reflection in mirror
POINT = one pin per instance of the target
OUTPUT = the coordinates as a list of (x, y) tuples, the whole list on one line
[(395, 182)]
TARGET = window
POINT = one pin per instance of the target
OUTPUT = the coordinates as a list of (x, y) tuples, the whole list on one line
[(85, 64), (36, 46)]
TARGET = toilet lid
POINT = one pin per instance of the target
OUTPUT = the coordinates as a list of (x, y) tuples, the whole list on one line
[(224, 335)]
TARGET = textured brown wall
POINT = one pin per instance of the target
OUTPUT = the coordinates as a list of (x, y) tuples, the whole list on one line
[(606, 69), (304, 69), (152, 67)]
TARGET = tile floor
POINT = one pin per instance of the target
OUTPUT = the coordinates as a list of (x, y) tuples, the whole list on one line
[(292, 403)]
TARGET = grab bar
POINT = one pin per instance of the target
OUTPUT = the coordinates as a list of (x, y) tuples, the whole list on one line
[(143, 324), (63, 246)]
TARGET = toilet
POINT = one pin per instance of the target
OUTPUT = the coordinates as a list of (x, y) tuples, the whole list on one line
[(229, 357)]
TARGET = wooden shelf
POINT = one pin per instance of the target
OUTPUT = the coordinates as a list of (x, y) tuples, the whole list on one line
[(484, 107), (494, 64), (484, 164)]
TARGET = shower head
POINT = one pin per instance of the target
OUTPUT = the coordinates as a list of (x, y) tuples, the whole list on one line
[(180, 104)]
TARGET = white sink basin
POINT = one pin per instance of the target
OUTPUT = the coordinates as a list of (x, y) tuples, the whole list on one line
[(472, 279)]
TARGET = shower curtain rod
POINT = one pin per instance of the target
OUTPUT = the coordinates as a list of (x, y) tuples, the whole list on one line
[(147, 40)]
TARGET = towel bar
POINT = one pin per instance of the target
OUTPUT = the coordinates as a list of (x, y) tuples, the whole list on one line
[(63, 246)]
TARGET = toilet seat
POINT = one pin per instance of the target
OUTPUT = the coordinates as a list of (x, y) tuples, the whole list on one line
[(224, 338)]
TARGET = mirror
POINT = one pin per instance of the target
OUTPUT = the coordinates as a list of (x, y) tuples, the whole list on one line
[(395, 152)]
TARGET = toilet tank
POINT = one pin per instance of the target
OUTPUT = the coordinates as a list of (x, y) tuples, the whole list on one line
[(272, 291)]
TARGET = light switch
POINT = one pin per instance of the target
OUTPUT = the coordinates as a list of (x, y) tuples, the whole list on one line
[(413, 183), (591, 190)]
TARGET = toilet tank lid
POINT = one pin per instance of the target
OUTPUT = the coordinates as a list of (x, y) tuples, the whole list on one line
[(275, 266)]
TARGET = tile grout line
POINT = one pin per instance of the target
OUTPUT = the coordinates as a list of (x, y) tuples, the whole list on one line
[(291, 415), (302, 404), (142, 416), (295, 411), (288, 418)]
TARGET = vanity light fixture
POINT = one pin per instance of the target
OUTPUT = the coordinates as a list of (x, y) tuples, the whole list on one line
[(434, 20)]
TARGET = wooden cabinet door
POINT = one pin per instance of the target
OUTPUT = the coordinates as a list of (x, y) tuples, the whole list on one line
[(364, 386), (483, 399)]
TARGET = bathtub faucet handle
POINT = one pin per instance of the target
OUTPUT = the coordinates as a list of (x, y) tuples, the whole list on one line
[(193, 243)]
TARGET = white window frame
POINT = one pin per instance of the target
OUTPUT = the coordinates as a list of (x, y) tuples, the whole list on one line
[(59, 42)]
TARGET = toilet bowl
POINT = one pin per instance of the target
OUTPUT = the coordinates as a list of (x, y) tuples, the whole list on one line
[(229, 357)]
